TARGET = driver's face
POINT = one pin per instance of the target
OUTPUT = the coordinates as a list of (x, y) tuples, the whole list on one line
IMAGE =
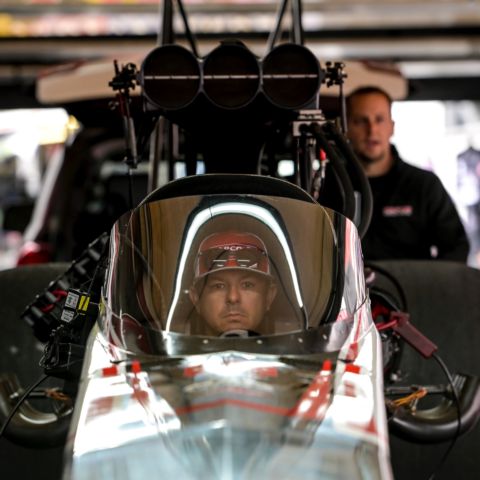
[(234, 300)]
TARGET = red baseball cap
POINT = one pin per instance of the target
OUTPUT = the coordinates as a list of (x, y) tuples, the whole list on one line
[(233, 251)]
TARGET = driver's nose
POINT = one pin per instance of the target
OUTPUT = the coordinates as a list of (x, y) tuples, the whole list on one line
[(233, 293)]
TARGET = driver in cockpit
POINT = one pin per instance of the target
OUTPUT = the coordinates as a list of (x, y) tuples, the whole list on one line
[(233, 288)]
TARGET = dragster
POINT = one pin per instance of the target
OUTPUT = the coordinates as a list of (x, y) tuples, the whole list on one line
[(300, 395), (154, 383)]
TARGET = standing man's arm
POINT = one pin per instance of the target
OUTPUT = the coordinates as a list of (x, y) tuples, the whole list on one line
[(444, 223)]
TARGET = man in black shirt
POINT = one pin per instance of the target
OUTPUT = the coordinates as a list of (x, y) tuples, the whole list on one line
[(413, 215)]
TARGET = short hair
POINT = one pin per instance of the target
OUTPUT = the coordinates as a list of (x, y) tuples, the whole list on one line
[(367, 90)]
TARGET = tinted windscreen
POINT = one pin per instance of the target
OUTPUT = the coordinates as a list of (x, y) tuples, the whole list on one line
[(218, 264)]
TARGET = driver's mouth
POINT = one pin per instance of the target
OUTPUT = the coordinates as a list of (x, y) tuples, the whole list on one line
[(234, 315)]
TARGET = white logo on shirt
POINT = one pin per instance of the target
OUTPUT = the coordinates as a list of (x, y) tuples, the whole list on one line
[(397, 211)]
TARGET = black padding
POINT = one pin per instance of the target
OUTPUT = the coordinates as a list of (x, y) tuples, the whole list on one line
[(216, 184), (20, 353), (444, 304)]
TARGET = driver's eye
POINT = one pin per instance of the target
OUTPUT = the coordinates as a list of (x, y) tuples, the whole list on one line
[(248, 284)]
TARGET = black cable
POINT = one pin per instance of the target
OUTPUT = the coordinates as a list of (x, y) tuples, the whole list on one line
[(338, 166), (386, 297), (357, 173), (459, 413), (19, 403), (394, 281)]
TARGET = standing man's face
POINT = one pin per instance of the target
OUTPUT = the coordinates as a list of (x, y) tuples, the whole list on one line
[(370, 127), (234, 300)]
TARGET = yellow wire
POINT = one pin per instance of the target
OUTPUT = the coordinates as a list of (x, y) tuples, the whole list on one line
[(410, 398)]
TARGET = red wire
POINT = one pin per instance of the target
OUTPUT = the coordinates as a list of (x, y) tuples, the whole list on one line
[(59, 294)]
